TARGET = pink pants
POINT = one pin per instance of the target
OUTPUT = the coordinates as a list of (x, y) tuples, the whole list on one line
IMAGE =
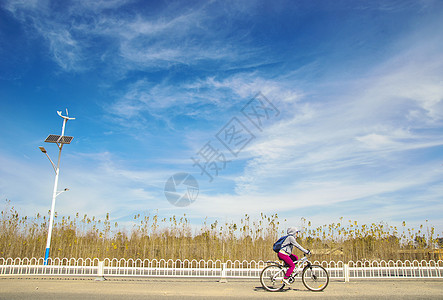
[(289, 259)]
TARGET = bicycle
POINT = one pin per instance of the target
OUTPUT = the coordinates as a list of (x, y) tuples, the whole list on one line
[(314, 277)]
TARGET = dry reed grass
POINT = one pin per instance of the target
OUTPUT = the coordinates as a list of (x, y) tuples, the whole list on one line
[(152, 237)]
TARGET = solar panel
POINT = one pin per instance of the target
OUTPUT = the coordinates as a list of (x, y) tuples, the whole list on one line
[(53, 138), (66, 139)]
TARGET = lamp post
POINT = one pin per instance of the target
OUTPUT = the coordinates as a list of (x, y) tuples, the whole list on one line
[(60, 140)]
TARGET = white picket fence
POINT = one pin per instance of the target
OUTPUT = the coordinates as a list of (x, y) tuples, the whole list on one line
[(210, 268)]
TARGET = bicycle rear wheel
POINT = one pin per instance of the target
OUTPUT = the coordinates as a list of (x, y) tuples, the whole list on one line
[(315, 278), (271, 278)]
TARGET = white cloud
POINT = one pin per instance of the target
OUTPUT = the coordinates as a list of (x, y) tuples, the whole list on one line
[(21, 182), (66, 51), (310, 194), (376, 141), (375, 121), (96, 186), (97, 6), (201, 99), (185, 36)]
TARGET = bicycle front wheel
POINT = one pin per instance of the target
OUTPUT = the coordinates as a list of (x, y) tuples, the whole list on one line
[(315, 278), (271, 278)]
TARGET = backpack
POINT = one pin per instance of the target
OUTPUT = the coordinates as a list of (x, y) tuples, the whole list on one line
[(279, 244)]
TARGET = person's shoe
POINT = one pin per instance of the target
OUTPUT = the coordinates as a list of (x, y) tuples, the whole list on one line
[(286, 281)]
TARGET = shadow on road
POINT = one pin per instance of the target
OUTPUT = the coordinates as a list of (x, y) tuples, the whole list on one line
[(284, 290)]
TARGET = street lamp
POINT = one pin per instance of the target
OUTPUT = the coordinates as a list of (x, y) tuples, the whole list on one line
[(60, 140)]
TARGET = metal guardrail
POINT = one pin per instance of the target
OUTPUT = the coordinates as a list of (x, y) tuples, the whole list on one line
[(210, 268)]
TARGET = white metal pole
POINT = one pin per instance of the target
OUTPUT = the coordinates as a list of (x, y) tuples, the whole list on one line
[(54, 195), (63, 127)]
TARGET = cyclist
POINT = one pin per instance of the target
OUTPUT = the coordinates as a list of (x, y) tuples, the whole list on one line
[(285, 253)]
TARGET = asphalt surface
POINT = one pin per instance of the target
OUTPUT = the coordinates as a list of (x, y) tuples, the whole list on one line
[(172, 288)]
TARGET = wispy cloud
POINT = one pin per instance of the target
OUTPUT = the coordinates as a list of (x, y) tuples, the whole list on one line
[(375, 122), (201, 99), (66, 50), (21, 182), (185, 36)]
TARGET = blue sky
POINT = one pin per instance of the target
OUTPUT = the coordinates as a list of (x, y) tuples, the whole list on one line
[(358, 86)]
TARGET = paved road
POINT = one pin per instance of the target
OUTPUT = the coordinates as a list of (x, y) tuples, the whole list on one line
[(169, 288)]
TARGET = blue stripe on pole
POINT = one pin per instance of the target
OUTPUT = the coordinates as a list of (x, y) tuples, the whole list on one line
[(46, 256)]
